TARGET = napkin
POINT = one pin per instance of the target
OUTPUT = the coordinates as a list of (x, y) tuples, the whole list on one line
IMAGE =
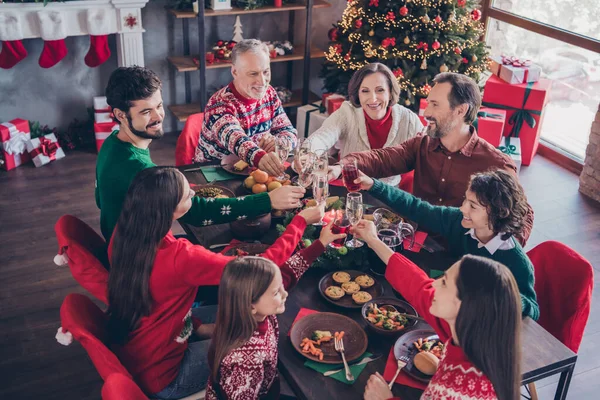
[(419, 240), (230, 245), (434, 273), (301, 314), (336, 182), (216, 174), (390, 369), (340, 376)]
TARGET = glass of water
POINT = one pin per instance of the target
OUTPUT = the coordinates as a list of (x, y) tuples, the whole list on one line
[(320, 191)]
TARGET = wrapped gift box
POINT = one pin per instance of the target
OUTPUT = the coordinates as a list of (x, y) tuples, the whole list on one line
[(515, 71), (44, 149), (524, 105), (102, 111), (332, 101), (14, 136), (102, 131), (310, 118), (490, 124), (422, 106), (511, 146)]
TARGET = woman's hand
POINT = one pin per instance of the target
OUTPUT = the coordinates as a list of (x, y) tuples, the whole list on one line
[(377, 388), (366, 183), (327, 236), (366, 231), (312, 215)]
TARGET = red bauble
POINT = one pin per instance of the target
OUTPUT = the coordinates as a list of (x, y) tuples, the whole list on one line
[(476, 15), (338, 48), (231, 45), (347, 57), (220, 43), (358, 23), (333, 34), (220, 54), (465, 61), (388, 42), (398, 72), (391, 16), (462, 3), (403, 11), (457, 50), (374, 3), (438, 19), (435, 45)]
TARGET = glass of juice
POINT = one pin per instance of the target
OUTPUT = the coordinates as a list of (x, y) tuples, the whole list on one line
[(350, 174)]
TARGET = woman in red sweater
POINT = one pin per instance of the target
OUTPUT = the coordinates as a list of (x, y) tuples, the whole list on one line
[(243, 352), (154, 278), (475, 309)]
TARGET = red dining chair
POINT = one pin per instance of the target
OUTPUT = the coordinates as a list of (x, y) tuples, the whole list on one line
[(188, 140), (84, 251)]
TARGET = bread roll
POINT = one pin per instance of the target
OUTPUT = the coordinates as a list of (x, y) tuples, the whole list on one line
[(426, 362)]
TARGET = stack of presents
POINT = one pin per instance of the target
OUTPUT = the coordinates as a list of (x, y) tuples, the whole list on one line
[(18, 148)]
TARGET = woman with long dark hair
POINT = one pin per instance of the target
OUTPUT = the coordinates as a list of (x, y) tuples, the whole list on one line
[(475, 309), (154, 278)]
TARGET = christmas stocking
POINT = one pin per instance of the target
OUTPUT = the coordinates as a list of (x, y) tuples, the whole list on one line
[(53, 30), (99, 28), (11, 35)]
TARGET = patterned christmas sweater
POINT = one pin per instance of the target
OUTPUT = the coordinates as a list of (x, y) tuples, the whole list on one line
[(234, 124), (456, 378), (248, 372), (155, 349)]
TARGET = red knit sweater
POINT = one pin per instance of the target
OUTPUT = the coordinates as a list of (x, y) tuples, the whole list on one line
[(155, 349), (456, 378), (378, 129), (249, 371)]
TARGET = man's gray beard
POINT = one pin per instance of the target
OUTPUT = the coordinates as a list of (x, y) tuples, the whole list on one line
[(435, 133)]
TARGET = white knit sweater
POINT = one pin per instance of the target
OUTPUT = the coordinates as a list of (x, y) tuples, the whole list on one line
[(346, 129)]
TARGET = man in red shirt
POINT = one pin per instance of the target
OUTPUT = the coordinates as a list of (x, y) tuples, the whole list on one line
[(444, 159)]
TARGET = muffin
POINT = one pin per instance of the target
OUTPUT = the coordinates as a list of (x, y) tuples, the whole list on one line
[(341, 277), (365, 281), (361, 297), (334, 292), (350, 287)]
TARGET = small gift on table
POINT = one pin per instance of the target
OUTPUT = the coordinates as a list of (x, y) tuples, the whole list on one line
[(511, 146), (102, 111), (490, 124), (44, 149), (514, 70), (524, 105), (310, 118), (332, 101), (14, 136), (422, 106), (102, 131)]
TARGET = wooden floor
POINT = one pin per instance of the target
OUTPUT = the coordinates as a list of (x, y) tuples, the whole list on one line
[(34, 366)]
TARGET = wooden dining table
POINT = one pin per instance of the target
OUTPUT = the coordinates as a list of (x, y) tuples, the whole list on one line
[(542, 354)]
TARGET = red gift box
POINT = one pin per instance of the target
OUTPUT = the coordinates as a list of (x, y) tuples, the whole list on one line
[(334, 104), (14, 136), (524, 105), (102, 131), (490, 124)]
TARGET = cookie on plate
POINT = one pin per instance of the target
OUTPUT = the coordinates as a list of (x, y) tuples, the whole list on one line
[(365, 281), (350, 287), (334, 292), (341, 277), (361, 297)]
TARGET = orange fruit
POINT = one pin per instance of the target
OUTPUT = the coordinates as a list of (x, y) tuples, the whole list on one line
[(249, 182), (273, 185), (287, 183), (271, 179), (259, 188), (260, 176)]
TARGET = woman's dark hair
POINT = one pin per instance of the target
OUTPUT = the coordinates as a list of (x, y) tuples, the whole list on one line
[(502, 195), (464, 91), (369, 69), (145, 219), (129, 84), (488, 325)]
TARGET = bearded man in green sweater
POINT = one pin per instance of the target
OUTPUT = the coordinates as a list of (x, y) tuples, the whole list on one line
[(135, 96)]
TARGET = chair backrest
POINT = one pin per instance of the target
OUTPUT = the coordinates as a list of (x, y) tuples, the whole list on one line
[(119, 387), (188, 140), (87, 323), (564, 281), (86, 254)]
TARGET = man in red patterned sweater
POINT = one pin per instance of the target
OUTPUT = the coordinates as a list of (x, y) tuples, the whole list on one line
[(246, 116)]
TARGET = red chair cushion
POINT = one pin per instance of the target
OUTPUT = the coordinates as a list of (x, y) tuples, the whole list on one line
[(120, 387), (406, 181), (188, 140)]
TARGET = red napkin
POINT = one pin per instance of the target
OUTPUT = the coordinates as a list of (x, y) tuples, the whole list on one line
[(337, 182), (286, 164), (301, 314), (230, 245), (390, 369), (419, 240)]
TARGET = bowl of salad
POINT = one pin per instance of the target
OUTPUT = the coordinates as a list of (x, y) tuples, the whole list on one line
[(384, 315)]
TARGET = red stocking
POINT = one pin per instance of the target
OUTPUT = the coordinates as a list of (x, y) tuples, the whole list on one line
[(54, 31), (98, 52), (12, 52), (53, 52)]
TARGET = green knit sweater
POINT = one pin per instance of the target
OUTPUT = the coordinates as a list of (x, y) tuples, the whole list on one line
[(119, 162), (447, 222)]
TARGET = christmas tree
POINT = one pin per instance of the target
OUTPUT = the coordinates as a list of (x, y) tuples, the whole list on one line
[(417, 39)]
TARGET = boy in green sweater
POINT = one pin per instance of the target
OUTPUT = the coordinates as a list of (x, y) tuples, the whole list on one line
[(493, 211), (134, 94)]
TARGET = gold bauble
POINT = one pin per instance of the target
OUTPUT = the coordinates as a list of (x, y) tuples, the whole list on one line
[(424, 64), (407, 102), (426, 19), (474, 58), (406, 40), (371, 32), (444, 68)]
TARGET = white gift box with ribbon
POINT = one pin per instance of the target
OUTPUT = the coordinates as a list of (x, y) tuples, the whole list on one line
[(14, 136), (511, 146), (309, 118), (44, 149)]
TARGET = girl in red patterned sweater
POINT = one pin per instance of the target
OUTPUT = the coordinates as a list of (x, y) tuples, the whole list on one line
[(475, 309), (243, 352)]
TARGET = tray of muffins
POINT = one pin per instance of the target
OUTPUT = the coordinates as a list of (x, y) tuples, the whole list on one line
[(349, 288)]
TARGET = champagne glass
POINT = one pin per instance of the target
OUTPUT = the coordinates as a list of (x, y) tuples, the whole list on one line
[(320, 192), (321, 162), (350, 174), (354, 212), (282, 148), (341, 224), (303, 164)]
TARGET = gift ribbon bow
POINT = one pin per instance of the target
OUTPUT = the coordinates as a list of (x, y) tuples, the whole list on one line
[(521, 114), (515, 62), (317, 107), (484, 114), (508, 148), (47, 148), (17, 143)]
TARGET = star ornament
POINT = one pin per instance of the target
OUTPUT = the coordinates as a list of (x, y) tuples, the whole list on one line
[(131, 21)]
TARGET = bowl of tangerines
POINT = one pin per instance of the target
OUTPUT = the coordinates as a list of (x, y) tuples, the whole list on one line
[(259, 182)]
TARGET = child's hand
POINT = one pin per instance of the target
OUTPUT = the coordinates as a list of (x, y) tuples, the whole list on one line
[(312, 215), (327, 236)]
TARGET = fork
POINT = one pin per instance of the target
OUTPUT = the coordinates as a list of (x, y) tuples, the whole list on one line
[(339, 347), (363, 361), (402, 361)]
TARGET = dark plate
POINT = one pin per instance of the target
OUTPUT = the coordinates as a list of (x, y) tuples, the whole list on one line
[(355, 338), (375, 291), (227, 163), (400, 305), (252, 249), (226, 191), (404, 347)]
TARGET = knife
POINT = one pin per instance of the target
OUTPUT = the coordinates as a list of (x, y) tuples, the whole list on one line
[(363, 361)]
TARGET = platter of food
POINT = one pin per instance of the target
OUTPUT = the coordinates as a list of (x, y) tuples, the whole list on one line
[(424, 350), (349, 288)]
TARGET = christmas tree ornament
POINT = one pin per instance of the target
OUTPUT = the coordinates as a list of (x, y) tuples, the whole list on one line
[(371, 32), (461, 3), (426, 88), (11, 34), (220, 54), (237, 32), (53, 30), (438, 19), (347, 57), (390, 16), (338, 48), (465, 61), (426, 19), (369, 53), (231, 44), (398, 72), (374, 3), (98, 24), (333, 34), (358, 23), (435, 45), (443, 68), (407, 102), (220, 43), (474, 58), (406, 40), (403, 11), (424, 64), (457, 50), (476, 15)]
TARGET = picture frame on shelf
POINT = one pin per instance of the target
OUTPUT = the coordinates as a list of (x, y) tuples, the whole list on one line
[(220, 5)]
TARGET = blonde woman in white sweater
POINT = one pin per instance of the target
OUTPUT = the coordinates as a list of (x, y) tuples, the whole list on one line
[(372, 119)]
